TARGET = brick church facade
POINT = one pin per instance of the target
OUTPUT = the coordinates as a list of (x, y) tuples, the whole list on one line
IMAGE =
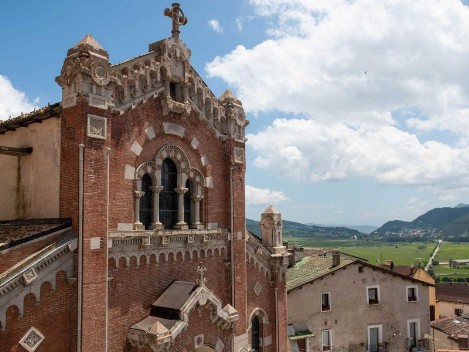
[(122, 215)]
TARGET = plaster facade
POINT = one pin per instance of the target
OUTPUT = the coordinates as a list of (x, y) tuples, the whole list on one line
[(448, 309), (29, 182), (349, 328)]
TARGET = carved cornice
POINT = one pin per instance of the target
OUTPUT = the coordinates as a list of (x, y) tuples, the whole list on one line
[(29, 275), (159, 338)]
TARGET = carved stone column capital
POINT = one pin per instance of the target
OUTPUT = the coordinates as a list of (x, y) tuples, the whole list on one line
[(156, 189), (181, 190), (138, 194), (197, 198)]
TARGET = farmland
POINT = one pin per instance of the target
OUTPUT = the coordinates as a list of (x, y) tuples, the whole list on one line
[(449, 251), (376, 251)]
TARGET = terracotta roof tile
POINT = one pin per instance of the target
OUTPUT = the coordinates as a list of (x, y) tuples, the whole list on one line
[(452, 292), (452, 326), (312, 268)]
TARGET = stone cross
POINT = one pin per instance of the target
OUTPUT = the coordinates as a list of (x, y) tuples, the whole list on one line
[(201, 270), (178, 18)]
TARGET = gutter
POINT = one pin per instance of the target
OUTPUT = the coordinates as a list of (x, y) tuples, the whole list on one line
[(80, 244)]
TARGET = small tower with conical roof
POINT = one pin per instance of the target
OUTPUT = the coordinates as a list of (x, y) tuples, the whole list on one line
[(86, 74), (271, 230)]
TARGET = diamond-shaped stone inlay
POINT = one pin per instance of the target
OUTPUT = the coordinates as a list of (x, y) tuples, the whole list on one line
[(257, 288), (29, 276), (32, 339)]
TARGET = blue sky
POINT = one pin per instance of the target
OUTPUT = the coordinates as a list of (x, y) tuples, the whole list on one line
[(359, 109)]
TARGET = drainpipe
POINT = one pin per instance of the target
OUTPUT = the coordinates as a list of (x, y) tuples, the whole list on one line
[(108, 151), (232, 249), (80, 242), (276, 318)]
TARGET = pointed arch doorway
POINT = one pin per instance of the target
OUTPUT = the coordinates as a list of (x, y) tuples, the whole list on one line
[(204, 349)]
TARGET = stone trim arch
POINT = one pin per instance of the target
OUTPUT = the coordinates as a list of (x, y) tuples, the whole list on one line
[(174, 153), (261, 313), (148, 167), (144, 257)]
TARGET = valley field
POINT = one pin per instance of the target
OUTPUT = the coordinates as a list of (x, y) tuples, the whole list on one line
[(449, 250), (401, 253)]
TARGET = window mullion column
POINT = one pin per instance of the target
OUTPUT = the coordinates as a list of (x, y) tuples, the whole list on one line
[(197, 224), (156, 206), (137, 224), (181, 224)]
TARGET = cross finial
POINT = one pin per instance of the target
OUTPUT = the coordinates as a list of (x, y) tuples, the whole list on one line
[(178, 18), (201, 270)]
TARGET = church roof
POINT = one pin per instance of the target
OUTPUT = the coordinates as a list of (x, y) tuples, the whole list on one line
[(16, 232), (271, 210), (228, 95), (89, 40), (24, 120)]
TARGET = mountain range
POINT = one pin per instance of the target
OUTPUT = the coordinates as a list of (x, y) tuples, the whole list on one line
[(439, 222), (446, 223), (296, 229)]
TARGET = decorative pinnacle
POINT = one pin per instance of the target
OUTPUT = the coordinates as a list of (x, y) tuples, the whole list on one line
[(178, 18), (201, 270)]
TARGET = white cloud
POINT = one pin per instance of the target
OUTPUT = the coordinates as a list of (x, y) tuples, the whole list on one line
[(315, 151), (239, 24), (216, 26), (257, 196), (414, 54), (369, 82), (13, 102)]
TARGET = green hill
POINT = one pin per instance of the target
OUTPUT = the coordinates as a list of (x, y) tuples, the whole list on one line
[(296, 229), (446, 222)]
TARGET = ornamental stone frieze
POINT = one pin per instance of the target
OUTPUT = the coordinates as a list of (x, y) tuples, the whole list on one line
[(165, 73)]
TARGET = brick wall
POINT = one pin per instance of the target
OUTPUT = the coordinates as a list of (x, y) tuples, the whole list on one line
[(265, 301), (132, 290), (74, 122), (131, 126), (54, 316)]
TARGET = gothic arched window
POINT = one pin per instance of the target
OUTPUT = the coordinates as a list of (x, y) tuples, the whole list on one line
[(255, 334), (146, 203), (168, 196)]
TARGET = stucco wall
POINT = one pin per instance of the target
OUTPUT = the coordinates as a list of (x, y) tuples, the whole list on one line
[(422, 275), (350, 314), (443, 342), (30, 184), (446, 309)]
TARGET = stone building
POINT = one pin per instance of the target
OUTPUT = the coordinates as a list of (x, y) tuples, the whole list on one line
[(123, 215), (341, 303)]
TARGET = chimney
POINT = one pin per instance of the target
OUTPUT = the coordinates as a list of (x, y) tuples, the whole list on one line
[(335, 258), (463, 341)]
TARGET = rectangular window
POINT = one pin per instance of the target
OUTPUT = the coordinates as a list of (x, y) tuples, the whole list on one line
[(360, 269), (372, 294), (325, 302), (375, 338), (326, 340), (413, 332), (458, 312), (411, 293)]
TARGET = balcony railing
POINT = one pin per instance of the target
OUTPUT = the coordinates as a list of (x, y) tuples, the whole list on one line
[(422, 345), (381, 347)]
